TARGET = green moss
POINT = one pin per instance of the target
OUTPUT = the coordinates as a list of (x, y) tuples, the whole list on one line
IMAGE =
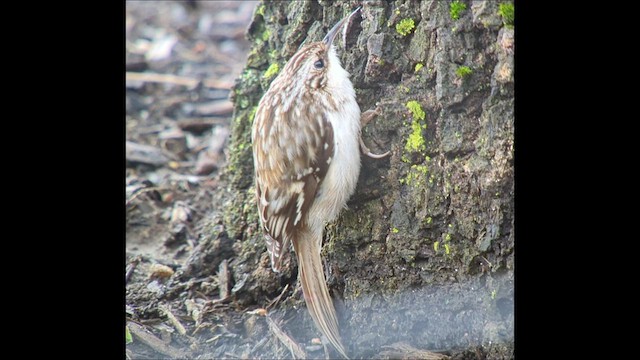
[(416, 110), (260, 10), (436, 245), (395, 230), (243, 102), (249, 78), (415, 142), (447, 249), (248, 209), (128, 339), (405, 26), (463, 71), (256, 58), (507, 11), (265, 35), (418, 67), (233, 217), (429, 220), (271, 71), (416, 175), (455, 8), (252, 114)]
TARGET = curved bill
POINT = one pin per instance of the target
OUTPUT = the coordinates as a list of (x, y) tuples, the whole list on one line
[(334, 31)]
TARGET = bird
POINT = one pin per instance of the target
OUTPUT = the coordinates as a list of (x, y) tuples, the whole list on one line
[(306, 141)]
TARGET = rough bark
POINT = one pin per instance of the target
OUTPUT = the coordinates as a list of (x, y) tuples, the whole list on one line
[(425, 252)]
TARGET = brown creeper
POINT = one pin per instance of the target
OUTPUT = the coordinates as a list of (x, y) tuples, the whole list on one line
[(306, 139)]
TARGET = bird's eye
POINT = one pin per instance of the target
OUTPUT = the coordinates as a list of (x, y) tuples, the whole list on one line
[(319, 64)]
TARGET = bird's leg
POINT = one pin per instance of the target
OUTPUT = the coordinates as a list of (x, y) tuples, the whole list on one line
[(365, 118)]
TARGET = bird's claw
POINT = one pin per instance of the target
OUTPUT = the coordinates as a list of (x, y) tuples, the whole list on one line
[(365, 118)]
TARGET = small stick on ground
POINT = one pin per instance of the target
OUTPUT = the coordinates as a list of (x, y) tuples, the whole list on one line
[(488, 262), (145, 154), (200, 124), (162, 78), (141, 191), (130, 268), (277, 299), (294, 348), (154, 342), (176, 80), (217, 84), (402, 350), (172, 319), (259, 345)]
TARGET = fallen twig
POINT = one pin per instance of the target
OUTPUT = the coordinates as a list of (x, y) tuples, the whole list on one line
[(222, 107), (277, 299), (200, 124), (131, 267), (217, 84), (154, 342), (294, 348), (259, 345), (139, 191), (145, 154), (162, 78), (403, 350), (172, 319), (176, 80)]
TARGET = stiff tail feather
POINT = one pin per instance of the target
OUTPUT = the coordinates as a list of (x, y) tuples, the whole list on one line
[(314, 288)]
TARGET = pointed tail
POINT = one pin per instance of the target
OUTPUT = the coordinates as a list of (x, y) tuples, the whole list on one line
[(314, 287)]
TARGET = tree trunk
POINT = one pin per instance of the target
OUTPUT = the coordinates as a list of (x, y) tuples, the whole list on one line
[(424, 253)]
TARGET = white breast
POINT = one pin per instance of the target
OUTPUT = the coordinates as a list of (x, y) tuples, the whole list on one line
[(344, 169)]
